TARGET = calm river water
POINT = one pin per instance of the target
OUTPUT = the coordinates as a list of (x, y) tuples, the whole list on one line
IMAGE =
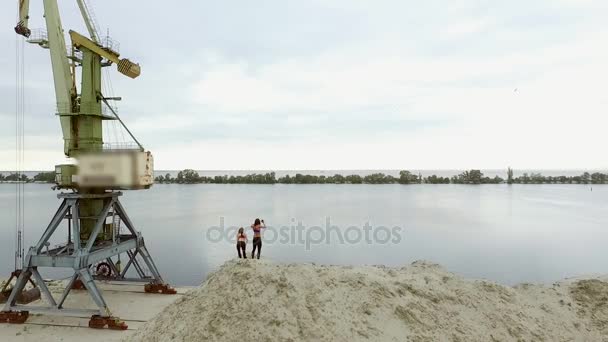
[(509, 234)]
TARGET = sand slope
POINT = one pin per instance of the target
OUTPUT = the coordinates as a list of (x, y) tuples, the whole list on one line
[(260, 300)]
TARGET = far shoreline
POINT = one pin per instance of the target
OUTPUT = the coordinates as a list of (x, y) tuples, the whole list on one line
[(405, 177)]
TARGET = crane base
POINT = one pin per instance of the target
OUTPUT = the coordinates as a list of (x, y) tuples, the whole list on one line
[(113, 323), (81, 257), (159, 288), (14, 317)]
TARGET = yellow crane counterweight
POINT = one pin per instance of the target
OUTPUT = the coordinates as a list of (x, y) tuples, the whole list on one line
[(125, 66)]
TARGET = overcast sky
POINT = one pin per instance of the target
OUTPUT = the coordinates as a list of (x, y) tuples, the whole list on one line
[(338, 84)]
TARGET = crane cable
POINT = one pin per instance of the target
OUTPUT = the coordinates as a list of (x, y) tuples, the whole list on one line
[(19, 152)]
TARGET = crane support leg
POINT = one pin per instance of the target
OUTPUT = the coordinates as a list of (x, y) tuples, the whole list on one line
[(104, 242)]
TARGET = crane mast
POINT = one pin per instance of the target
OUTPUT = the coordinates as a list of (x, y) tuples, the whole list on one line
[(99, 230)]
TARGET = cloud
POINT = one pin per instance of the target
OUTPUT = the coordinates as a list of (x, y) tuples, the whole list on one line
[(467, 27), (351, 84), (347, 82)]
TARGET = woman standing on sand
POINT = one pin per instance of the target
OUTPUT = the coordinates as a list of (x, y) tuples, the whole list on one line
[(257, 236), (241, 242)]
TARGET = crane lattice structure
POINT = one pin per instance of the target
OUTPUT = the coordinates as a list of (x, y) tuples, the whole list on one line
[(94, 214)]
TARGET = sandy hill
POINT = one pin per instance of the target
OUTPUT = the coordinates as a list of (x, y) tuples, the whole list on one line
[(247, 300)]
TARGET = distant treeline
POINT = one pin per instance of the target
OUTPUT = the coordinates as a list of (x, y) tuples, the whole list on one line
[(42, 177), (537, 178), (189, 176)]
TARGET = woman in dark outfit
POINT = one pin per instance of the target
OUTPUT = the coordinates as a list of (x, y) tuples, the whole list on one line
[(257, 236), (241, 242)]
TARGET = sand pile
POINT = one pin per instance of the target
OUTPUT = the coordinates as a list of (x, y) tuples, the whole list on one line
[(259, 300)]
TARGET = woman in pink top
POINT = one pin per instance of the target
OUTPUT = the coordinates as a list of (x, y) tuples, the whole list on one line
[(241, 242), (257, 236)]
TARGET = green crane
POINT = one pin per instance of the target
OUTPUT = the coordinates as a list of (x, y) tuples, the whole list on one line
[(99, 229), (80, 112)]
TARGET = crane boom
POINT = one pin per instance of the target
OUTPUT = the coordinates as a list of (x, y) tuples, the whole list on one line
[(65, 92), (88, 20)]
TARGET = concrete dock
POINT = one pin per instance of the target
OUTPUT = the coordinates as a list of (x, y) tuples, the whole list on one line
[(128, 301)]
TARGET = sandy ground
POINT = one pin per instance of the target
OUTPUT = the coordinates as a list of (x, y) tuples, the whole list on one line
[(264, 301), (126, 300)]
